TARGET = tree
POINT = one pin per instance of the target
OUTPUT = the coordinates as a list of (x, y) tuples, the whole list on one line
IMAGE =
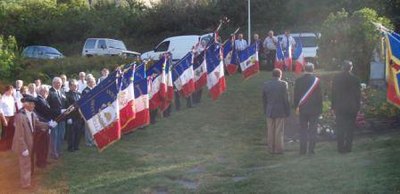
[(351, 37), (8, 56)]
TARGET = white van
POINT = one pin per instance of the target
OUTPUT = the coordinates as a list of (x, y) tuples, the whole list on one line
[(106, 47), (178, 46), (309, 42)]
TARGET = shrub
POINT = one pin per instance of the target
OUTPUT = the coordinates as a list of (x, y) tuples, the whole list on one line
[(350, 37)]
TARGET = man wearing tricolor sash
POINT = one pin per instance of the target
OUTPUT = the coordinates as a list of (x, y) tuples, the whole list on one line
[(308, 102)]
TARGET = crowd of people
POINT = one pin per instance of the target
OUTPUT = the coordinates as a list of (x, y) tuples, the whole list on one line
[(308, 102), (33, 123)]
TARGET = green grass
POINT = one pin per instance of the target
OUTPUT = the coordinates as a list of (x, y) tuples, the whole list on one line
[(219, 147)]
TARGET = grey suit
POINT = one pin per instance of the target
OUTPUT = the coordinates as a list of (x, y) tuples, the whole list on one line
[(275, 99), (276, 109)]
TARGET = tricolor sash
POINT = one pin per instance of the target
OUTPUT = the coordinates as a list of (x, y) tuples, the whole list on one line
[(309, 92)]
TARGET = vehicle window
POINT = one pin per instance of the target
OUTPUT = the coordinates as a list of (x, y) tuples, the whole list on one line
[(51, 50), (117, 44), (206, 39), (308, 41), (162, 47), (28, 51), (90, 44), (101, 44)]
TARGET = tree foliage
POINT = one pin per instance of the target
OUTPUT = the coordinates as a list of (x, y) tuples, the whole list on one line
[(8, 56), (352, 37)]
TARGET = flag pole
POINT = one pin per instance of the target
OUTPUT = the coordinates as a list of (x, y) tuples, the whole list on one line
[(249, 21)]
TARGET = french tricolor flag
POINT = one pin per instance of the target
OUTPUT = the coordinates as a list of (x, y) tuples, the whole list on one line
[(183, 76), (158, 83), (299, 57), (170, 86), (142, 113), (200, 70), (279, 61), (126, 97), (230, 57), (100, 109), (249, 63), (288, 57), (215, 70)]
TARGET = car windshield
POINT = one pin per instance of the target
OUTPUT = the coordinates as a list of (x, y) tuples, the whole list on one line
[(308, 41), (117, 44), (50, 50)]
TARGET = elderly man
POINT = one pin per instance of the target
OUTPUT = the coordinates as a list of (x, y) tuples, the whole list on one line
[(65, 84), (308, 100), (26, 124), (270, 44), (17, 93), (240, 43), (91, 83), (288, 44), (276, 108), (346, 99), (75, 122), (104, 74), (82, 84), (57, 102), (44, 113)]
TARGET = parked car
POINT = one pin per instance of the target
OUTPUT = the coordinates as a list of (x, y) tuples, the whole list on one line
[(310, 44), (41, 52), (178, 46), (106, 47)]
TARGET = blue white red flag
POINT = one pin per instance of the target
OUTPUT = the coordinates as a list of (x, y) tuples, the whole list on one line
[(200, 71), (231, 59), (126, 97), (158, 83), (183, 76), (215, 71), (142, 116), (298, 56), (393, 68), (100, 110), (288, 56), (249, 63), (169, 83), (279, 61)]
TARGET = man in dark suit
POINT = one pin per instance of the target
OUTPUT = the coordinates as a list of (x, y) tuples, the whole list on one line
[(91, 83), (42, 138), (308, 101), (346, 97), (75, 122), (276, 109), (57, 102)]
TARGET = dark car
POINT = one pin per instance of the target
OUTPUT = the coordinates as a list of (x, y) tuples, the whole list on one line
[(41, 52)]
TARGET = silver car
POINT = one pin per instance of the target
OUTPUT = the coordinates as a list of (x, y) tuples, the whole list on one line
[(41, 52)]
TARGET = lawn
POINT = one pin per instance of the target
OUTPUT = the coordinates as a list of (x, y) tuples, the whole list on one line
[(219, 147)]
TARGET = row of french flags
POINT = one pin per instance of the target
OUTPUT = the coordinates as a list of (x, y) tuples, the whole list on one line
[(285, 60), (122, 102)]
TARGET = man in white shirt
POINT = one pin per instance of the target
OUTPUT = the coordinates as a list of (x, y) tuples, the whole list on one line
[(8, 107), (17, 93), (65, 84), (270, 44), (288, 44), (104, 72), (82, 82), (240, 43)]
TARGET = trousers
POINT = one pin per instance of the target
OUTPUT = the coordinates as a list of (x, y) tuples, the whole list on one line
[(275, 129), (308, 133), (345, 125)]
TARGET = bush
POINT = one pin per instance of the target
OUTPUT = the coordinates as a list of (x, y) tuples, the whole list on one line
[(47, 69), (350, 37), (8, 57)]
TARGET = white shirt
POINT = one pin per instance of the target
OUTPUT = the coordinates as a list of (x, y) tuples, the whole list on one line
[(29, 115), (7, 104), (240, 44), (18, 96), (66, 86), (270, 43), (285, 40), (81, 85)]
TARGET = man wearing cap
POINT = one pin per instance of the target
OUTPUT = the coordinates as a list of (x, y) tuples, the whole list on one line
[(308, 102), (26, 124), (346, 97)]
